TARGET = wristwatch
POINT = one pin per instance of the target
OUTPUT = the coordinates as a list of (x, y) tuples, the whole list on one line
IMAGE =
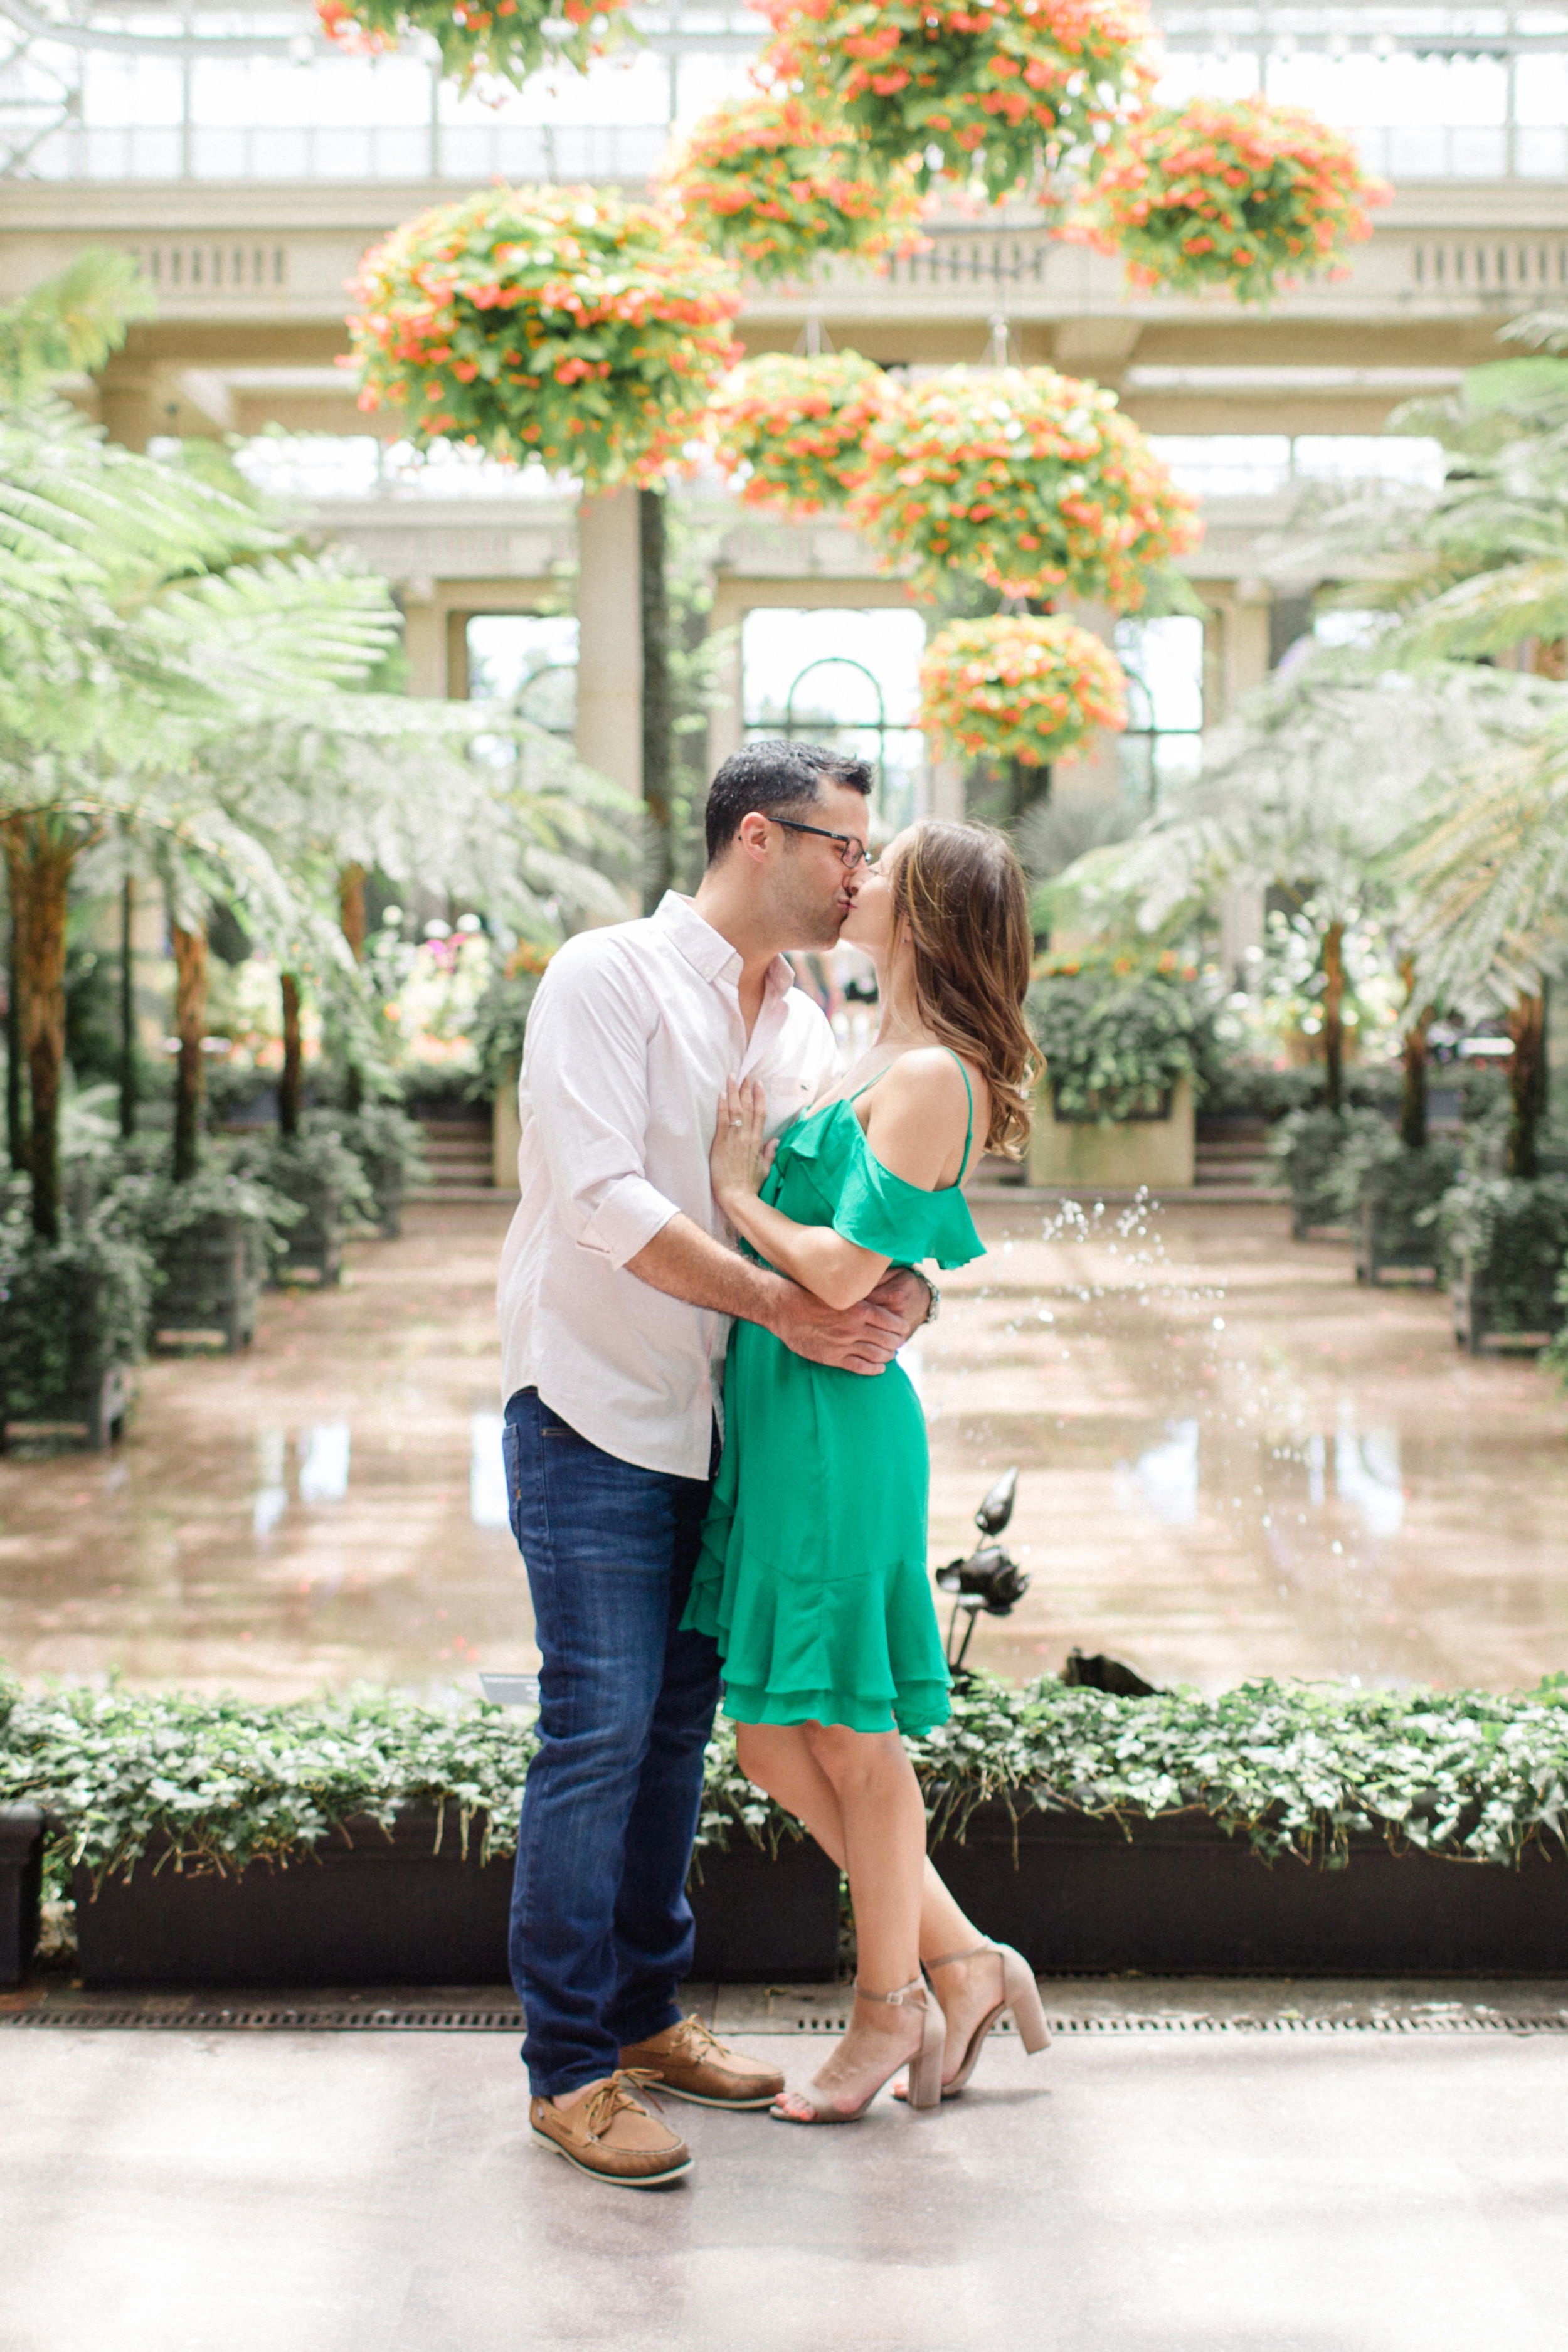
[(932, 1293)]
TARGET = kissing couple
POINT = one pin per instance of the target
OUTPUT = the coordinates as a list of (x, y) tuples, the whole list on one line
[(720, 1229)]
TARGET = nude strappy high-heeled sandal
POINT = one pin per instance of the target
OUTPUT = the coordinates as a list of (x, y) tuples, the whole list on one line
[(925, 2065), (1019, 1993)]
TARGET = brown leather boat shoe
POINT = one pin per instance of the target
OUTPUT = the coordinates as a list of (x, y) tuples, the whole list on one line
[(690, 2062), (611, 2134)]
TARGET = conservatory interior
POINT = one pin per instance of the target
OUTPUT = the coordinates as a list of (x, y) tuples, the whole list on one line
[(1162, 459)]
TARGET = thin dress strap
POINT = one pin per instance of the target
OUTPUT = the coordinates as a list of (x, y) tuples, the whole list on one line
[(969, 1127), (969, 1131)]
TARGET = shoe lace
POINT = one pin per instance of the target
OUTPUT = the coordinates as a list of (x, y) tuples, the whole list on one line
[(697, 2039), (625, 2088)]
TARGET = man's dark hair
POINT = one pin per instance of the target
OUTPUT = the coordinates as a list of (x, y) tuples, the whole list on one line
[(773, 777)]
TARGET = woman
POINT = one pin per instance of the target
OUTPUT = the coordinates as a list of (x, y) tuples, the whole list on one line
[(813, 1573)]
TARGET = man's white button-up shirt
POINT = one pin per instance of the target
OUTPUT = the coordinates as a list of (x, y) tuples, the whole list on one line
[(631, 1035)]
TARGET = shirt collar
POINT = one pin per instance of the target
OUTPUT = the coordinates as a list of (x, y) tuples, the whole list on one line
[(709, 951)]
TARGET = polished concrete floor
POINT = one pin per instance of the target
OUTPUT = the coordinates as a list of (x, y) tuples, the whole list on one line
[(1161, 2192), (1233, 1462)]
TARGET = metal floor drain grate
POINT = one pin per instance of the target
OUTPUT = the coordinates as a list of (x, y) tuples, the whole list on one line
[(407, 2020)]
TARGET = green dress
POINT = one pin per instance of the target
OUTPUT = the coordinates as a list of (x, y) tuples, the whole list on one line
[(812, 1576)]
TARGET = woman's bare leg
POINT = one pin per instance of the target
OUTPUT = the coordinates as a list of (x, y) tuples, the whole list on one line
[(856, 1792), (780, 1759)]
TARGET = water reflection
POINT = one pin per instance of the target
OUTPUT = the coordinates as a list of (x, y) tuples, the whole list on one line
[(1236, 1462), (324, 1462), (1164, 1480), (271, 1499)]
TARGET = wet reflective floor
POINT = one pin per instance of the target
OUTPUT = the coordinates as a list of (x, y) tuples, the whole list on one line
[(1233, 1461)]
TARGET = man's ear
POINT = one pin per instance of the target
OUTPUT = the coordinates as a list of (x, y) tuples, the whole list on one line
[(752, 835)]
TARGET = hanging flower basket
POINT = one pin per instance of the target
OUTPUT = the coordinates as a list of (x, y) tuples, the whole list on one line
[(558, 324), (1018, 686), (784, 192), (1243, 194), (789, 432), (511, 39), (1026, 479), (1001, 91)]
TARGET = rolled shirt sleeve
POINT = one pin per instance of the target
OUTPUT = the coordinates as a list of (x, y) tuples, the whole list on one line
[(586, 1074)]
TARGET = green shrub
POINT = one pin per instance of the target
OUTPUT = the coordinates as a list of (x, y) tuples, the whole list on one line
[(1510, 1234), (1296, 1768), (315, 1168), (69, 1309), (1307, 1146), (1115, 1043), (388, 1145), (1405, 1187)]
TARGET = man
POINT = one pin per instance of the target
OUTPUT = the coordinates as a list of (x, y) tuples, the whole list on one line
[(618, 1286)]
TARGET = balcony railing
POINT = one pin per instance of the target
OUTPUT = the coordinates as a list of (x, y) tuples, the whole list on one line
[(474, 152), (469, 153)]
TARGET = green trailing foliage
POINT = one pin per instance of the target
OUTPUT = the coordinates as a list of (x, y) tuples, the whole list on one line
[(1405, 1187), (204, 1783), (1307, 1146), (1116, 1042), (69, 1309), (316, 1169), (1510, 1234)]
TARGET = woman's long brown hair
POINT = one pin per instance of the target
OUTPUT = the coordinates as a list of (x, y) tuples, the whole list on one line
[(960, 890)]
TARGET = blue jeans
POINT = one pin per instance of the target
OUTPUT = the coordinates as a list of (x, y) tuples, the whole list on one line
[(600, 1929)]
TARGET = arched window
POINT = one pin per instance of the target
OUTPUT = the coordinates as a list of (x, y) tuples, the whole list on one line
[(846, 676), (1163, 660)]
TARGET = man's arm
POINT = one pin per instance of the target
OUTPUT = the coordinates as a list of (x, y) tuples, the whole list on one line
[(687, 1263)]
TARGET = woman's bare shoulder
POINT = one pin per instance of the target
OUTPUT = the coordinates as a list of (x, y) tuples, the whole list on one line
[(936, 1074)]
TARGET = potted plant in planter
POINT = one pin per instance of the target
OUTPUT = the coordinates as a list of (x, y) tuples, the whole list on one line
[(390, 1148), (1389, 1192), (212, 1237), (73, 1321), (1507, 1242), (366, 1838), (1123, 1051), (1273, 1828), (315, 1171)]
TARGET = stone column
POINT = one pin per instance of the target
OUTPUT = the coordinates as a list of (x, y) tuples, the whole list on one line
[(727, 719), (424, 639), (609, 638), (1096, 775), (128, 406), (1244, 664), (947, 789)]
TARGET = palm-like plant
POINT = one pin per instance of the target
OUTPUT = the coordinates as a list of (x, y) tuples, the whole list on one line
[(172, 669), (1427, 765)]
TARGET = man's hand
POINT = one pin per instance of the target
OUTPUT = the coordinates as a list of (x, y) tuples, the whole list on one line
[(906, 1293), (862, 1339)]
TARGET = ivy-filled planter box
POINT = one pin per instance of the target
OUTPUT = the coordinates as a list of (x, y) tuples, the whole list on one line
[(1507, 1243), (1158, 1150), (1387, 1242), (73, 1320), (1176, 1896), (369, 1907), (210, 1275), (21, 1881)]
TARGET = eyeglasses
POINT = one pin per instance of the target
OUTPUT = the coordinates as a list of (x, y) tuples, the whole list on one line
[(853, 853)]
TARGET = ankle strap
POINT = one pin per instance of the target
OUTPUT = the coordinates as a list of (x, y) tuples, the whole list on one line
[(905, 1995), (948, 1958)]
